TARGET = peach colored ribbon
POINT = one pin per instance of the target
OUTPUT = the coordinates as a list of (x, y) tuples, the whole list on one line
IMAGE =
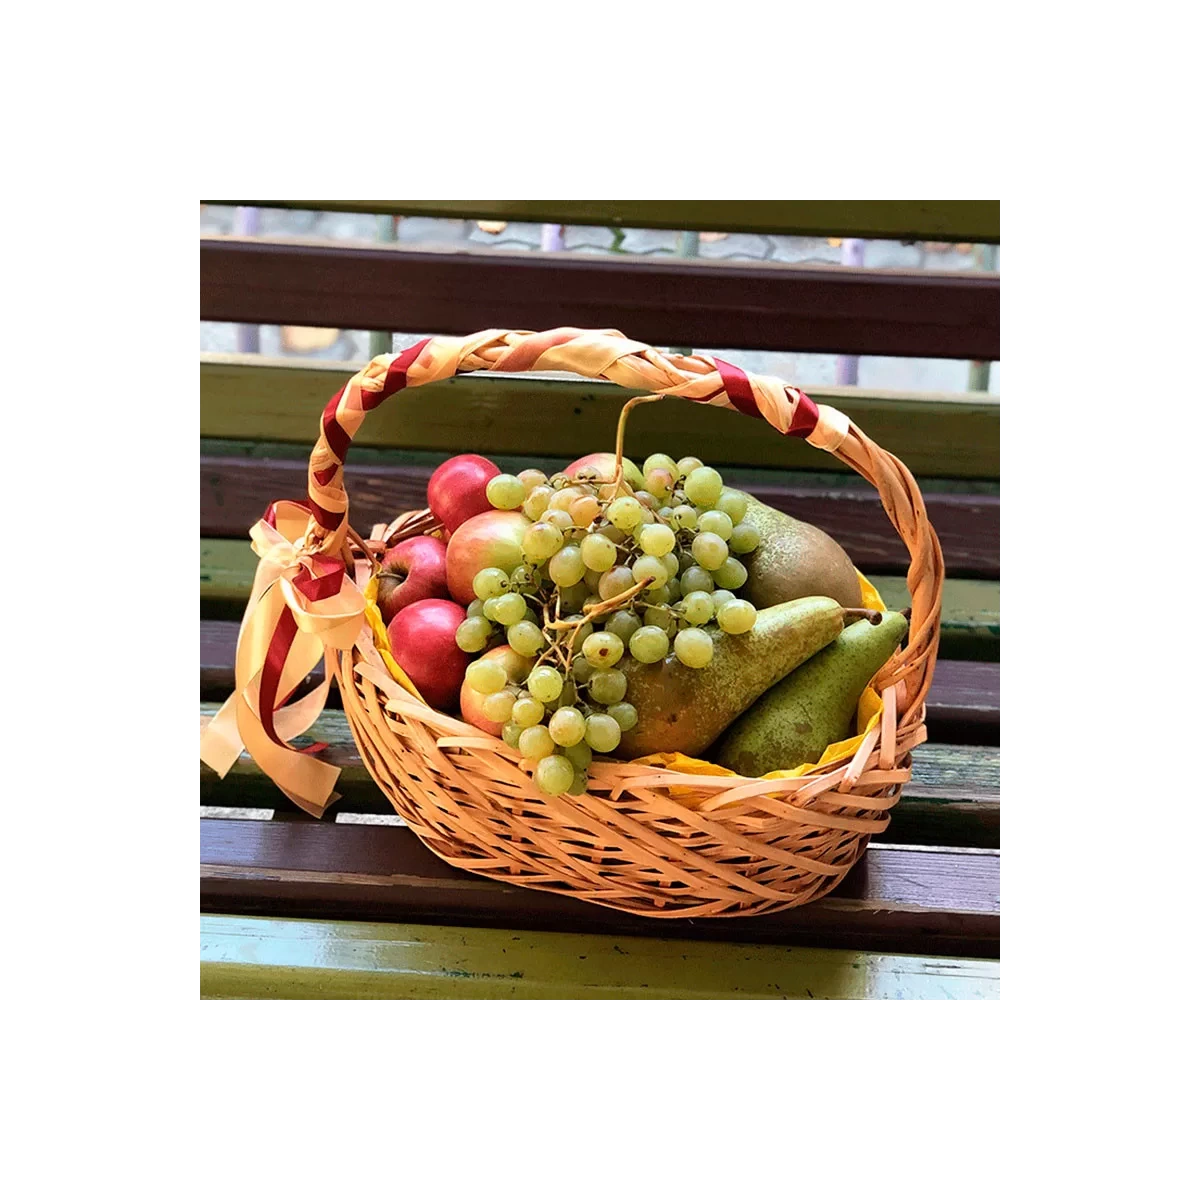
[(322, 628)]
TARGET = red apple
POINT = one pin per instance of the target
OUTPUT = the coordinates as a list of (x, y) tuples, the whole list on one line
[(413, 570), (458, 489), (422, 641), (471, 701), (606, 466), (492, 539)]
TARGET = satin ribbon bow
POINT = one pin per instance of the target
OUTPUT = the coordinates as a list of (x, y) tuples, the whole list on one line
[(302, 608)]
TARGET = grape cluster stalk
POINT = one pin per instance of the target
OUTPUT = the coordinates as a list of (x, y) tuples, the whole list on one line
[(609, 570)]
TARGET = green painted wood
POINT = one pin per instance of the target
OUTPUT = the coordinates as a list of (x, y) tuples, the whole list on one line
[(294, 959), (262, 399), (904, 220), (970, 607), (953, 799)]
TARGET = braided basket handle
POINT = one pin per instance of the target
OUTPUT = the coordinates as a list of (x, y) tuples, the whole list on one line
[(608, 354)]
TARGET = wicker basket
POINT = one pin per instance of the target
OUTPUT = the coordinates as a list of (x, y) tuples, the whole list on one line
[(641, 839)]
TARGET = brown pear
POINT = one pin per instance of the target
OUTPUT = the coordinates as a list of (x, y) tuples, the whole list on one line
[(685, 710), (795, 559)]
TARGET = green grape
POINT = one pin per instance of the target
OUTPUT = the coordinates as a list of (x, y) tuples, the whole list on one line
[(581, 669), (661, 462), (658, 595), (472, 635), (602, 733), (738, 616), (489, 583), (615, 581), (624, 624), (509, 608), (475, 608), (574, 597), (733, 504), (554, 775), (585, 630), (565, 698), (560, 480), (579, 784), (743, 539), (664, 514), (697, 608), (687, 465), (650, 644), (602, 650), (625, 716), (659, 483), (536, 742), (716, 522), (684, 517), (499, 705), (505, 492), (607, 530), (648, 500), (525, 638), (686, 559), (485, 676), (537, 502), (720, 598), (730, 574), (703, 487), (693, 647), (559, 519), (545, 684), (566, 567), (489, 609), (526, 580), (584, 510), (598, 552), (657, 540), (527, 711), (696, 579), (580, 754), (607, 686), (511, 733), (650, 568), (674, 590), (672, 561), (531, 478), (541, 541), (657, 618), (709, 550), (625, 512), (567, 726)]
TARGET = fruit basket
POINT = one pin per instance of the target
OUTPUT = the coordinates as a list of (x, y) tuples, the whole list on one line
[(642, 836)]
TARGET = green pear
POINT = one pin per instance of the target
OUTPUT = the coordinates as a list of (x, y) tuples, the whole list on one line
[(795, 559), (684, 709), (814, 706)]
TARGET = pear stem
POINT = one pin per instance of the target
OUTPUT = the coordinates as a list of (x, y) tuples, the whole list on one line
[(865, 614)]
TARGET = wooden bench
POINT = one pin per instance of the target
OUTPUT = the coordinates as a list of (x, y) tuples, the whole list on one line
[(354, 905)]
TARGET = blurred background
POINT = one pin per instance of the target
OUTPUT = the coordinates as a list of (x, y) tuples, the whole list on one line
[(806, 370)]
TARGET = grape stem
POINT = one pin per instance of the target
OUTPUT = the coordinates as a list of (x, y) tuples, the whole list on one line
[(622, 420)]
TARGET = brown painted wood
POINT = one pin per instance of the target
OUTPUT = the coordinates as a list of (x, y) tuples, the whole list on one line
[(896, 899), (663, 301), (234, 493), (963, 704)]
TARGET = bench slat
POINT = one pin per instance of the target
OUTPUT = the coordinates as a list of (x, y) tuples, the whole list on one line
[(953, 799), (895, 900), (900, 220), (963, 704), (273, 400), (235, 492), (664, 301), (970, 607), (256, 957)]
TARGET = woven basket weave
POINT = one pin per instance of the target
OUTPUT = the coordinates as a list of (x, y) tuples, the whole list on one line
[(641, 839)]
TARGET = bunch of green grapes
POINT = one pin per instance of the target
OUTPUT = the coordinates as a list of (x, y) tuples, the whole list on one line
[(608, 572)]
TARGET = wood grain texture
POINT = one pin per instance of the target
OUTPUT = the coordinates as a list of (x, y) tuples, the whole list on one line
[(291, 959), (235, 492), (970, 607), (663, 301), (895, 900), (953, 799), (901, 220), (963, 704), (264, 399)]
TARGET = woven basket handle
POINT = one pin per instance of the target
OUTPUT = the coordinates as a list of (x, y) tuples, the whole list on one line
[(607, 354)]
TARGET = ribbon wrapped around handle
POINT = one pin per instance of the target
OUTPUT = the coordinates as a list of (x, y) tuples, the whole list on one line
[(303, 608)]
